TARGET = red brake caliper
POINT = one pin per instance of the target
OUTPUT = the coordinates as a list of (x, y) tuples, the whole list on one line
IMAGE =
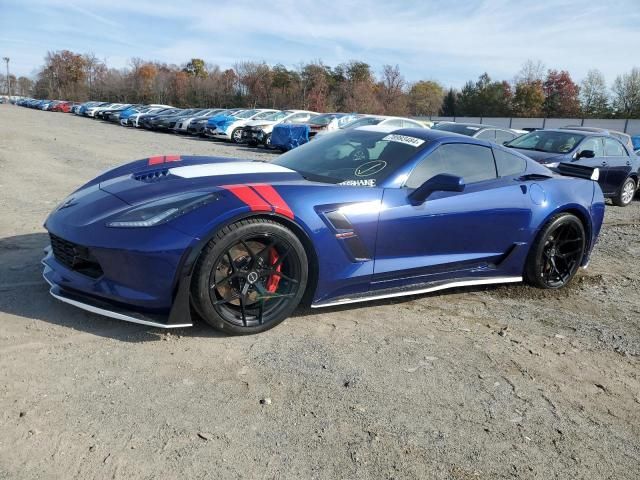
[(274, 280)]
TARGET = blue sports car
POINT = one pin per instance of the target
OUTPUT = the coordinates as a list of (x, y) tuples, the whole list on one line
[(361, 214)]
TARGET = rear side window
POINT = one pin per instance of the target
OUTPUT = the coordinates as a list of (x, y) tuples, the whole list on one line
[(613, 148), (504, 136), (474, 163), (487, 135), (509, 164)]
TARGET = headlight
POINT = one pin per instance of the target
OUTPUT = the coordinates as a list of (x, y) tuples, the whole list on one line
[(162, 211)]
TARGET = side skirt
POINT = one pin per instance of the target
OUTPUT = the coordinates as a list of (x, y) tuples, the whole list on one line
[(371, 296)]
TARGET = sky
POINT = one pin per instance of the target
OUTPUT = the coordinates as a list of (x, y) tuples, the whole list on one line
[(448, 41)]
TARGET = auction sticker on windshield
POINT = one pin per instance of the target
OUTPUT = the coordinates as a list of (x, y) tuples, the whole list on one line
[(413, 141)]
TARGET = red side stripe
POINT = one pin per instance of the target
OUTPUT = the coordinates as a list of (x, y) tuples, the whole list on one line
[(172, 158), (156, 160), (272, 196), (249, 197)]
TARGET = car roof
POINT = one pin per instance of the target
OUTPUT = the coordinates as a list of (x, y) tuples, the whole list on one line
[(602, 133)]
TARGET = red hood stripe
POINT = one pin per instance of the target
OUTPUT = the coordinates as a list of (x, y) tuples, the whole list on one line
[(157, 160), (272, 196)]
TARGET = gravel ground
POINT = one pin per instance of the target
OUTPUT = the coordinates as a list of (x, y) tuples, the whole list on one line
[(505, 382)]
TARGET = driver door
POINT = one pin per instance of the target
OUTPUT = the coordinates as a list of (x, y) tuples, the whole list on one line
[(452, 234)]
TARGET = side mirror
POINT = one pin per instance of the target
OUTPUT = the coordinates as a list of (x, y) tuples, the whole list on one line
[(586, 154), (440, 183)]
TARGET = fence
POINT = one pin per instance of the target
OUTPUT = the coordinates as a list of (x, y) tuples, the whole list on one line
[(629, 126)]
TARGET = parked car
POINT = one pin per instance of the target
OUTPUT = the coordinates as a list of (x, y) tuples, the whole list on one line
[(636, 144), (107, 113), (623, 137), (258, 132), (229, 127), (327, 122), (144, 121), (242, 242), (481, 131), (182, 123), (619, 168), (381, 120)]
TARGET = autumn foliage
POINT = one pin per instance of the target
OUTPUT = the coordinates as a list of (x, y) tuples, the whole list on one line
[(350, 87)]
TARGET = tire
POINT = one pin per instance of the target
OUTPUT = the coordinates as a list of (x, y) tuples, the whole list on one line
[(236, 136), (267, 141), (252, 143), (557, 252), (626, 193), (250, 277)]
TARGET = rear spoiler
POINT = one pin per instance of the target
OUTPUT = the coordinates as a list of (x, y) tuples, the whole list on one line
[(580, 171)]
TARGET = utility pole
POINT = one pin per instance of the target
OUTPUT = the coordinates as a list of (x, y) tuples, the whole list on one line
[(6, 59)]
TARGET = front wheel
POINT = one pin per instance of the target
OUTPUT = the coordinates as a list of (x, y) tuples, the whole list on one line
[(236, 135), (250, 277), (626, 193), (557, 252)]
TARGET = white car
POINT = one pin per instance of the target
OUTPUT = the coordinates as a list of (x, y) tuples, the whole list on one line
[(379, 120), (259, 131), (91, 112), (232, 130)]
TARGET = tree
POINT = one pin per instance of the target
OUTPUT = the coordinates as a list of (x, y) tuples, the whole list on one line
[(425, 98), (195, 68), (593, 95), (626, 90), (528, 99), (485, 98), (531, 72), (391, 88), (25, 85), (561, 95), (448, 108)]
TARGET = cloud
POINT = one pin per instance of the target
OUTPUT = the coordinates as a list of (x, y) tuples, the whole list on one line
[(451, 42)]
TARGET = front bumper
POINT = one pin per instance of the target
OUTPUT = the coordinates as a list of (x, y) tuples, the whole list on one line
[(104, 308)]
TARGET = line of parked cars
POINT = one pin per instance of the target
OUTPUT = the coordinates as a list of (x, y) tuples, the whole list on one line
[(613, 153)]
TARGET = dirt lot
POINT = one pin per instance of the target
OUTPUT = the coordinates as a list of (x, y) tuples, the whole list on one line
[(506, 382)]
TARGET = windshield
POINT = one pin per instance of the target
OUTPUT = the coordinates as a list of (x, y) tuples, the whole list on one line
[(323, 119), (469, 130), (352, 157), (246, 114), (362, 122), (274, 117), (547, 141), (263, 115)]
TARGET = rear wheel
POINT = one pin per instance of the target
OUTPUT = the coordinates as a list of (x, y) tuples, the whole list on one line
[(557, 252), (250, 277), (626, 193)]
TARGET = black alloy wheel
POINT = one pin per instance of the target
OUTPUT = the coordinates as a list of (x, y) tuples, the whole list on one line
[(557, 253), (250, 277)]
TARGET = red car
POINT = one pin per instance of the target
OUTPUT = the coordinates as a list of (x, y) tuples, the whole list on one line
[(62, 107)]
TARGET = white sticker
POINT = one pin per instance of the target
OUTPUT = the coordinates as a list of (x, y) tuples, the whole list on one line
[(413, 141), (359, 183), (370, 168)]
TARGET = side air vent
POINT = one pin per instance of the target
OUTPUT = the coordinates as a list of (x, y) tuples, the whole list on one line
[(152, 177)]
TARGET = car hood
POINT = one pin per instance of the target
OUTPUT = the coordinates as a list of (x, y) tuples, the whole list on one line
[(163, 176), (543, 157)]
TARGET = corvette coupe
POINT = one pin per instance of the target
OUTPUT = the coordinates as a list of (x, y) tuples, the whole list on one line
[(363, 214)]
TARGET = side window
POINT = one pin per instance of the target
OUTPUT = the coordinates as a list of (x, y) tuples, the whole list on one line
[(504, 136), (613, 148), (473, 163), (593, 143), (487, 135), (393, 123), (508, 163), (409, 124)]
